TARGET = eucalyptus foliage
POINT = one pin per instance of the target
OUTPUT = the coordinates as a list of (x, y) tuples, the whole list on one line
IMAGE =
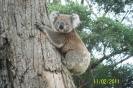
[(115, 6)]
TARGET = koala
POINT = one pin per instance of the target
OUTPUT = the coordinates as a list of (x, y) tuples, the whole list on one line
[(65, 37)]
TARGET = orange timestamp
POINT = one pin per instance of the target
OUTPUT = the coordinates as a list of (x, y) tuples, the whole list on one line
[(106, 81)]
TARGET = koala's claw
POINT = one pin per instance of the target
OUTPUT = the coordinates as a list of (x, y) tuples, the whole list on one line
[(37, 24), (64, 62), (68, 65), (43, 23)]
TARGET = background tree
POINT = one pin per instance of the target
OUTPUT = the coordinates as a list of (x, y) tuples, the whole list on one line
[(27, 58), (106, 29)]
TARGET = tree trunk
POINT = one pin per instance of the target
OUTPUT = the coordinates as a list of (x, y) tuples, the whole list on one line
[(27, 58)]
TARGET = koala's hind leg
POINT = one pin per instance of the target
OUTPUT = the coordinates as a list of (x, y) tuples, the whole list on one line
[(70, 59)]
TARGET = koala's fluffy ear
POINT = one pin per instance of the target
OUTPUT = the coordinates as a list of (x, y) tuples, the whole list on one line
[(54, 15), (75, 20)]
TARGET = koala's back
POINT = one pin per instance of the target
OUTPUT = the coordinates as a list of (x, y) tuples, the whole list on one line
[(73, 41), (77, 56)]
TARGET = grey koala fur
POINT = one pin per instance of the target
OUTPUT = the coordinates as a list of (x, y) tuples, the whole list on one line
[(64, 37)]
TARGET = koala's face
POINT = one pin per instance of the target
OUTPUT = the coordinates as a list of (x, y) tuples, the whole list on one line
[(64, 23)]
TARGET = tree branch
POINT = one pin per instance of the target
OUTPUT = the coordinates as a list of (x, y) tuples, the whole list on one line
[(105, 57), (90, 7), (122, 60), (108, 8), (125, 15), (55, 1), (82, 2)]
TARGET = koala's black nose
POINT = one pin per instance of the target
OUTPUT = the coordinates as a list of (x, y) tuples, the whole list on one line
[(61, 26)]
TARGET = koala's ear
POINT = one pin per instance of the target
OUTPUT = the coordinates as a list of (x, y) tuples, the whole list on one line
[(75, 20), (54, 15)]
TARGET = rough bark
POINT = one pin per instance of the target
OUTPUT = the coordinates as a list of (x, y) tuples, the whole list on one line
[(27, 58)]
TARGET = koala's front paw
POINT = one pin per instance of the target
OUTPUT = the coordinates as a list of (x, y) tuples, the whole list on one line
[(38, 24)]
